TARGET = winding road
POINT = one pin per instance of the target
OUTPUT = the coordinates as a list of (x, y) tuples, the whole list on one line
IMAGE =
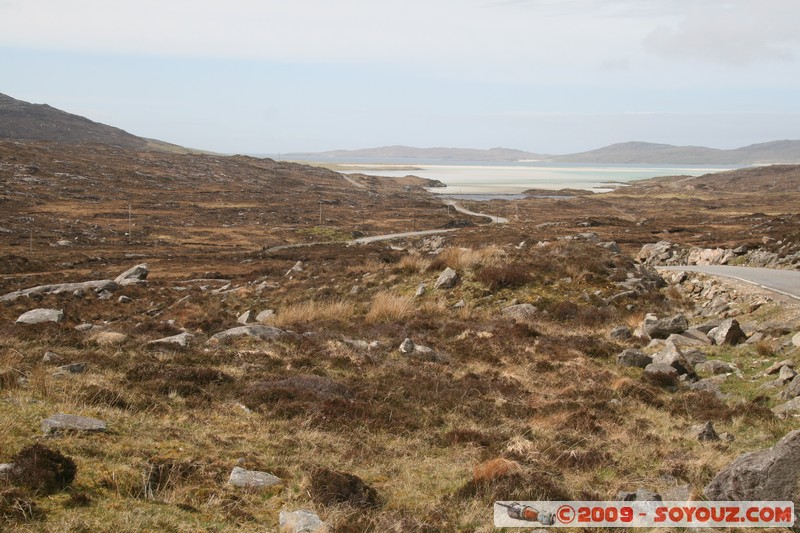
[(786, 282), (494, 218)]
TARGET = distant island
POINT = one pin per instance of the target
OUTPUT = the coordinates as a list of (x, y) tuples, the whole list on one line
[(639, 153)]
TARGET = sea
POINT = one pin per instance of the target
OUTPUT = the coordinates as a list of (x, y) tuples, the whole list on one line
[(484, 180)]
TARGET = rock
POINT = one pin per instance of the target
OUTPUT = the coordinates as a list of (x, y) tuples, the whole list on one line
[(245, 317), (104, 295), (84, 327), (611, 246), (792, 407), (362, 345), (677, 493), (181, 340), (407, 346), (298, 267), (664, 327), (620, 333), (729, 332), (133, 276), (447, 279), (5, 469), (792, 390), (520, 312), (124, 299), (301, 521), (690, 337), (765, 475), (59, 288), (420, 290), (265, 315), (673, 356), (73, 368), (704, 432), (796, 340), (635, 358), (37, 316), (786, 374), (460, 304), (51, 357), (661, 374), (64, 423), (258, 331), (252, 478), (641, 495), (778, 366), (715, 366), (494, 469), (108, 338)]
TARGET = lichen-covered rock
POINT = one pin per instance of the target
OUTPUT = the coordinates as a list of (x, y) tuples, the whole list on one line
[(59, 423), (447, 279), (37, 316), (252, 478), (301, 521)]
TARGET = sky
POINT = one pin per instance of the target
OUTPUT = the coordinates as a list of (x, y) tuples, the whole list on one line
[(278, 76)]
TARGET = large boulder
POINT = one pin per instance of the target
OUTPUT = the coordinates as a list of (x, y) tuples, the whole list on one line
[(661, 374), (257, 331), (673, 356), (447, 279), (72, 423), (766, 475), (252, 478), (635, 358), (728, 332), (60, 288), (37, 316), (133, 276), (661, 328), (520, 312)]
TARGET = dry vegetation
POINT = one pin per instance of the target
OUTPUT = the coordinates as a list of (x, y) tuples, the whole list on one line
[(369, 438)]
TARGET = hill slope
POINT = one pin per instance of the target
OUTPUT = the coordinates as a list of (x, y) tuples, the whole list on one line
[(410, 152), (21, 120)]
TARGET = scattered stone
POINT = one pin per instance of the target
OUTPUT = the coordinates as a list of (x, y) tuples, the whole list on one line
[(673, 356), (796, 340), (726, 437), (641, 495), (59, 288), (265, 315), (786, 374), (778, 366), (421, 288), (301, 521), (298, 267), (245, 318), (460, 304), (661, 374), (728, 332), (690, 337), (37, 316), (520, 312), (620, 333), (407, 346), (84, 327), (104, 295), (258, 331), (5, 468), (704, 432), (362, 345), (60, 423), (108, 338), (133, 276), (634, 358), (792, 390), (792, 407), (181, 340), (765, 475), (447, 279), (715, 366), (51, 357), (73, 368), (124, 299), (710, 385), (494, 469), (252, 478), (664, 327)]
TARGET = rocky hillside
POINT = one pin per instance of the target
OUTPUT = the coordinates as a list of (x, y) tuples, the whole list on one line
[(39, 122)]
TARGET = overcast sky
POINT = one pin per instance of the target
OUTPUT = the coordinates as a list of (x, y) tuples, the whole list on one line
[(549, 76)]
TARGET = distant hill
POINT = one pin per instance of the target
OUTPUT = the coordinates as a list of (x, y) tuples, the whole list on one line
[(786, 152), (766, 179), (409, 152), (39, 122)]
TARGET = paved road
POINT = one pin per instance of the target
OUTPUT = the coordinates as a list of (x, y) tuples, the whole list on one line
[(785, 282), (390, 236), (494, 218)]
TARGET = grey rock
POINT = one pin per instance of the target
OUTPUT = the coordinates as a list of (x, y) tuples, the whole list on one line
[(74, 368), (252, 478), (690, 337), (5, 469), (258, 331), (765, 475), (133, 276), (635, 358), (792, 407), (661, 374), (37, 316), (728, 332), (460, 304), (673, 356), (710, 385), (420, 290), (407, 346), (611, 246), (715, 366), (362, 345), (265, 315), (620, 333), (181, 340), (704, 432), (59, 288), (124, 299), (51, 357), (664, 327), (64, 423), (796, 340), (447, 279), (786, 374), (245, 318), (520, 312), (298, 267), (792, 390), (775, 368), (104, 295), (84, 327), (301, 521), (641, 495)]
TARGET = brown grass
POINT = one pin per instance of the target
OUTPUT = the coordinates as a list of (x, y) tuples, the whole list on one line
[(413, 264), (306, 312), (461, 259), (386, 306)]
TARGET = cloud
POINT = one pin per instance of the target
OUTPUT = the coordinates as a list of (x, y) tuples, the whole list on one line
[(736, 32)]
